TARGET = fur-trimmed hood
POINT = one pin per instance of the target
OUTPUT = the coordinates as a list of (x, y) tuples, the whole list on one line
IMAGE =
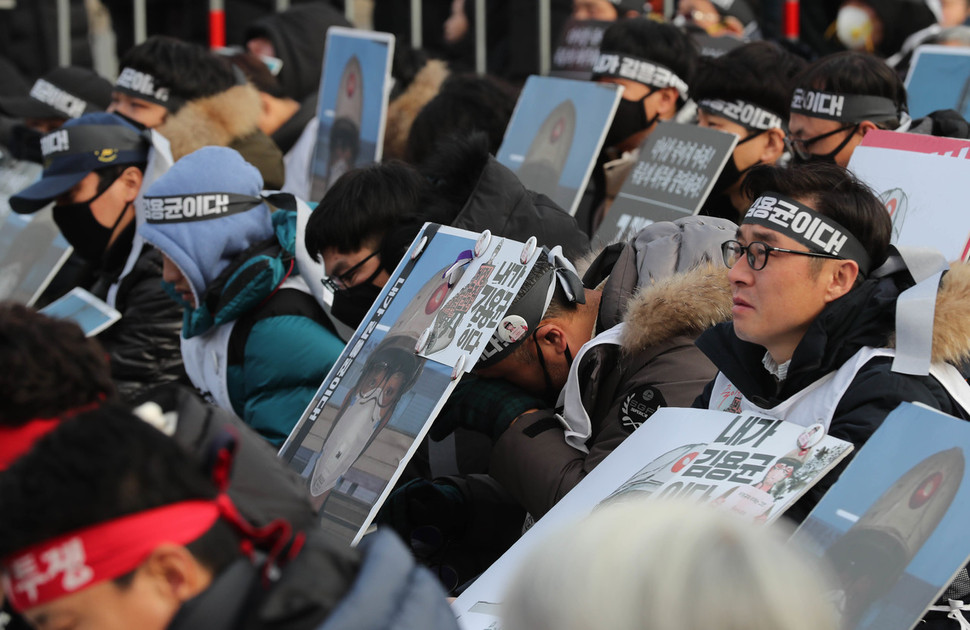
[(402, 111), (669, 280), (213, 120), (684, 304), (951, 320)]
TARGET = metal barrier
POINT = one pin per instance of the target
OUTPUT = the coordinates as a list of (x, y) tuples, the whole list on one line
[(217, 26)]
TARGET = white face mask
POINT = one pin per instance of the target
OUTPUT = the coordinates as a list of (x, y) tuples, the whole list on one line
[(854, 28)]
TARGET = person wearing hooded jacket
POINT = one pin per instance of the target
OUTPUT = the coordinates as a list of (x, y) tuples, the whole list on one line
[(298, 37), (253, 338)]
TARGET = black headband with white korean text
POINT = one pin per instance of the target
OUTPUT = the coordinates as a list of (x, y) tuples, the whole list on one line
[(198, 207), (851, 108), (815, 231), (146, 87), (649, 73), (748, 115)]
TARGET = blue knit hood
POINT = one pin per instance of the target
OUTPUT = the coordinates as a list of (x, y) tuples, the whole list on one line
[(231, 258)]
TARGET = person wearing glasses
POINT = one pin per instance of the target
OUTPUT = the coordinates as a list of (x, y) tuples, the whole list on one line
[(838, 99), (745, 92), (816, 292), (254, 339)]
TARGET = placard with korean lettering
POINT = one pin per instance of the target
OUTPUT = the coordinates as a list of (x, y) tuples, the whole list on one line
[(675, 171), (379, 400), (484, 288), (577, 49), (752, 465)]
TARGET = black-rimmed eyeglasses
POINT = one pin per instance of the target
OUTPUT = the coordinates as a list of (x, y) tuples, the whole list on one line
[(344, 280), (757, 253), (799, 146)]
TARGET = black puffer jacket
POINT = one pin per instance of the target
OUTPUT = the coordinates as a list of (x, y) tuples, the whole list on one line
[(261, 485), (144, 345), (472, 191)]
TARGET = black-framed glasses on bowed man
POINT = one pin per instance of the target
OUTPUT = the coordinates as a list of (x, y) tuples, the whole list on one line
[(340, 281), (799, 146), (757, 253)]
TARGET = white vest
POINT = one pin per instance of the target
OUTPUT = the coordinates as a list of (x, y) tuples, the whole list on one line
[(816, 403), (206, 356)]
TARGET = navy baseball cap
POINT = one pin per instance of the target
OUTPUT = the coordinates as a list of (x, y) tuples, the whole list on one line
[(81, 146)]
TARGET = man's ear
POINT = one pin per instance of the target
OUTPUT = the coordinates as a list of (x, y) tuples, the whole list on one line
[(131, 179), (844, 274), (552, 335), (667, 102), (175, 573), (865, 127), (774, 146)]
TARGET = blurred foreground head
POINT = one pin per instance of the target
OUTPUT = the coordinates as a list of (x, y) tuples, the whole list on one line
[(667, 566)]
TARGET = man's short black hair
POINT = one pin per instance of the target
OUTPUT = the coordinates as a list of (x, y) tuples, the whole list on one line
[(99, 466), (47, 366), (654, 41), (464, 103), (362, 205), (852, 72), (834, 192), (188, 70), (760, 73), (107, 176)]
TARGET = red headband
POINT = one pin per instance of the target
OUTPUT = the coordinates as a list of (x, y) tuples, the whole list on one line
[(17, 440), (75, 561)]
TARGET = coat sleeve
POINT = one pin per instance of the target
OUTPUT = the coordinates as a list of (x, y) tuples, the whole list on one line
[(286, 359), (144, 346), (874, 392), (532, 459)]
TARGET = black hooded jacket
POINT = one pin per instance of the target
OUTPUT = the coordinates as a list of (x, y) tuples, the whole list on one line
[(299, 36)]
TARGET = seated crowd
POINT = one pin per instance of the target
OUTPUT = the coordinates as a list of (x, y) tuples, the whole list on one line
[(139, 478)]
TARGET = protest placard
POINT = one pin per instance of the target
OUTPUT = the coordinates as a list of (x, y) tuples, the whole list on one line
[(380, 398), (923, 192), (577, 49), (352, 107), (893, 527), (84, 309), (32, 251), (750, 465), (675, 171), (939, 78), (545, 144), (916, 142)]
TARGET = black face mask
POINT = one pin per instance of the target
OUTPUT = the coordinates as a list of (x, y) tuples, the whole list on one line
[(825, 158), (350, 305), (88, 237), (730, 174), (25, 144), (630, 118)]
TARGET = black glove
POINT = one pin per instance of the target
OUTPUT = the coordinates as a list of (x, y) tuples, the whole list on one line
[(485, 405)]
